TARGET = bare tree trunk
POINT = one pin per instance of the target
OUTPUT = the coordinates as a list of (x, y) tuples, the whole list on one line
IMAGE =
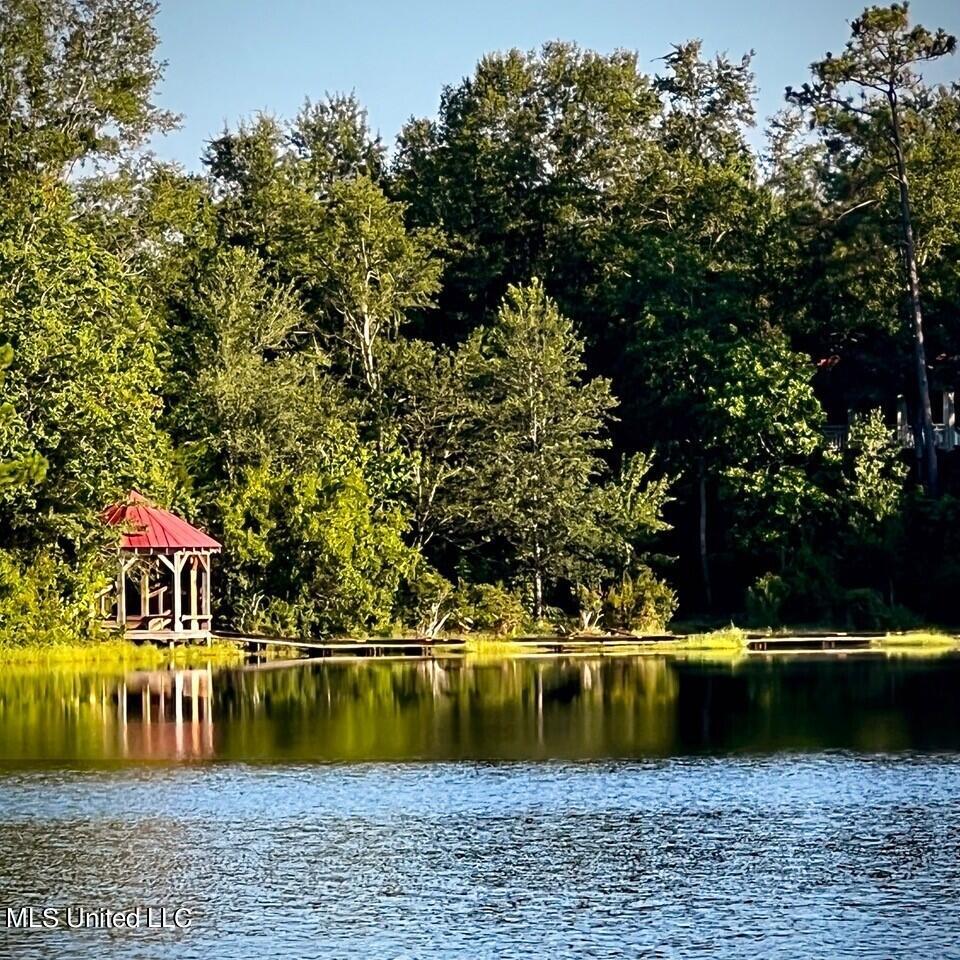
[(924, 437), (702, 535)]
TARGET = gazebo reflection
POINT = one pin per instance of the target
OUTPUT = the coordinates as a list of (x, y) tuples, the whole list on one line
[(166, 714)]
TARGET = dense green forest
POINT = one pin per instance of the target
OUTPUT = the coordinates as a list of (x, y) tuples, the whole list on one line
[(567, 352)]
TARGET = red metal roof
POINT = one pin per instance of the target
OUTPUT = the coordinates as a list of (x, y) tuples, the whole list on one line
[(150, 528)]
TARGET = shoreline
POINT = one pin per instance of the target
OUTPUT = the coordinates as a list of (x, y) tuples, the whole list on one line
[(721, 645)]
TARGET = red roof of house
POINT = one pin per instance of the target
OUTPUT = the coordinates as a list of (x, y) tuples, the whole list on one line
[(150, 528)]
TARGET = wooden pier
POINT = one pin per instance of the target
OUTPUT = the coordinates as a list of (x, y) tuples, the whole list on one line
[(373, 647), (757, 643), (425, 646), (398, 647)]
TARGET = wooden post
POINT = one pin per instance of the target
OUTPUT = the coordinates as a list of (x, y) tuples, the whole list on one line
[(177, 591), (167, 615), (194, 622), (122, 593), (205, 604), (949, 421), (145, 595)]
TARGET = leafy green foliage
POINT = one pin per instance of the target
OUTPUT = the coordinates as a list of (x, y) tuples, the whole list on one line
[(435, 417), (543, 429), (876, 488), (371, 273), (45, 600), (251, 385), (305, 197), (767, 437), (430, 603), (26, 469), (339, 362), (639, 602), (517, 168), (83, 379), (76, 81), (489, 608), (311, 553), (155, 219), (766, 599), (866, 100)]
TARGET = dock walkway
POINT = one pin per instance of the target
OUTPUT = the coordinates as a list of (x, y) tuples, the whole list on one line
[(574, 643)]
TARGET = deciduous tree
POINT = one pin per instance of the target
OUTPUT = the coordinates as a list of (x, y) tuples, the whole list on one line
[(544, 429), (77, 79), (868, 98)]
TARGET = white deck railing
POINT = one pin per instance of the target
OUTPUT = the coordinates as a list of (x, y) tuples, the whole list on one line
[(945, 437)]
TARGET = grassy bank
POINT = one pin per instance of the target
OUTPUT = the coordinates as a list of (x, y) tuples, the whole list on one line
[(920, 638), (121, 653), (918, 641), (724, 643), (488, 645), (727, 639)]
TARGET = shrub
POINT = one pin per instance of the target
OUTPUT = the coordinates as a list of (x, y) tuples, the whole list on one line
[(319, 544), (590, 602), (866, 609), (765, 600), (489, 607), (44, 601), (640, 602), (812, 593), (270, 616), (429, 601)]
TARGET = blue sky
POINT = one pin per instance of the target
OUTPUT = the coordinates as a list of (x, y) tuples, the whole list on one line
[(228, 59)]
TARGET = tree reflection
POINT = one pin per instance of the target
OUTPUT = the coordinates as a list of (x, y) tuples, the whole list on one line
[(530, 708)]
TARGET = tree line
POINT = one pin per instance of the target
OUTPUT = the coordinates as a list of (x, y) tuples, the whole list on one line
[(564, 355)]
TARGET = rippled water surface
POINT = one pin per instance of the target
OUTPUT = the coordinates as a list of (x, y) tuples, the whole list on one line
[(614, 808)]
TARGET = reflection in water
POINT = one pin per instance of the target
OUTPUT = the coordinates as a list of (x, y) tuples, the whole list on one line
[(511, 709), (166, 714), (447, 709)]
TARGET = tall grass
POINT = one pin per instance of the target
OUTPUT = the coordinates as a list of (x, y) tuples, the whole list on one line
[(490, 645), (918, 638), (728, 638), (122, 652)]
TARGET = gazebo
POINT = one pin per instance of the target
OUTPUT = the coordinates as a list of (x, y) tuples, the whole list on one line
[(163, 578)]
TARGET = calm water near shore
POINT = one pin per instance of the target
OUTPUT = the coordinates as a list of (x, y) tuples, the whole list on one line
[(561, 808)]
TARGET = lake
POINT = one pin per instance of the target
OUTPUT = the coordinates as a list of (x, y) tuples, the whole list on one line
[(610, 807)]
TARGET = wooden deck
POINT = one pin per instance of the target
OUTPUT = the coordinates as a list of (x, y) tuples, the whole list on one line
[(573, 644), (812, 642), (169, 637), (380, 647), (376, 647), (425, 646)]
